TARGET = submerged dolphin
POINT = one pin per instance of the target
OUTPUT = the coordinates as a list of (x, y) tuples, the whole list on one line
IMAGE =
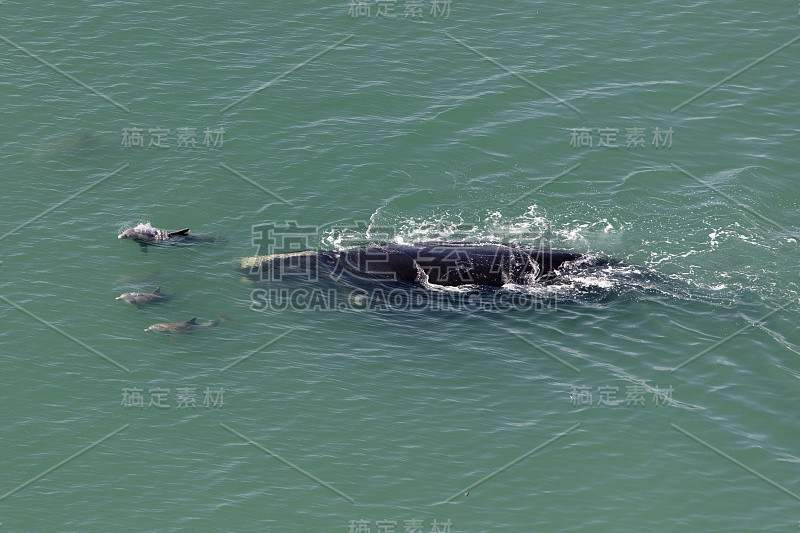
[(140, 299), (145, 234), (440, 263), (185, 327)]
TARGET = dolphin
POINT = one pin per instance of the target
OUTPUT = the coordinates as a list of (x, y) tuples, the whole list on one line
[(438, 263), (185, 327), (145, 234), (140, 299)]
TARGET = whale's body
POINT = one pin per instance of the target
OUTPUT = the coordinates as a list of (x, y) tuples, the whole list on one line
[(439, 263)]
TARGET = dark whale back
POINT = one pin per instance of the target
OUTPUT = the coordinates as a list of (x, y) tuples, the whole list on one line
[(373, 262), (448, 264), (452, 264)]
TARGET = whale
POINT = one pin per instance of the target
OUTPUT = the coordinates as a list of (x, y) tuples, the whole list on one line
[(140, 299), (437, 263), (145, 234), (185, 327)]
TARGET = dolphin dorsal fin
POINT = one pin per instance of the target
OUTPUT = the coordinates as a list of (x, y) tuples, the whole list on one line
[(157, 291), (183, 231), (192, 320)]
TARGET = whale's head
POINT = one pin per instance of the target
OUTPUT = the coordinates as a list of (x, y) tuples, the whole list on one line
[(127, 234)]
